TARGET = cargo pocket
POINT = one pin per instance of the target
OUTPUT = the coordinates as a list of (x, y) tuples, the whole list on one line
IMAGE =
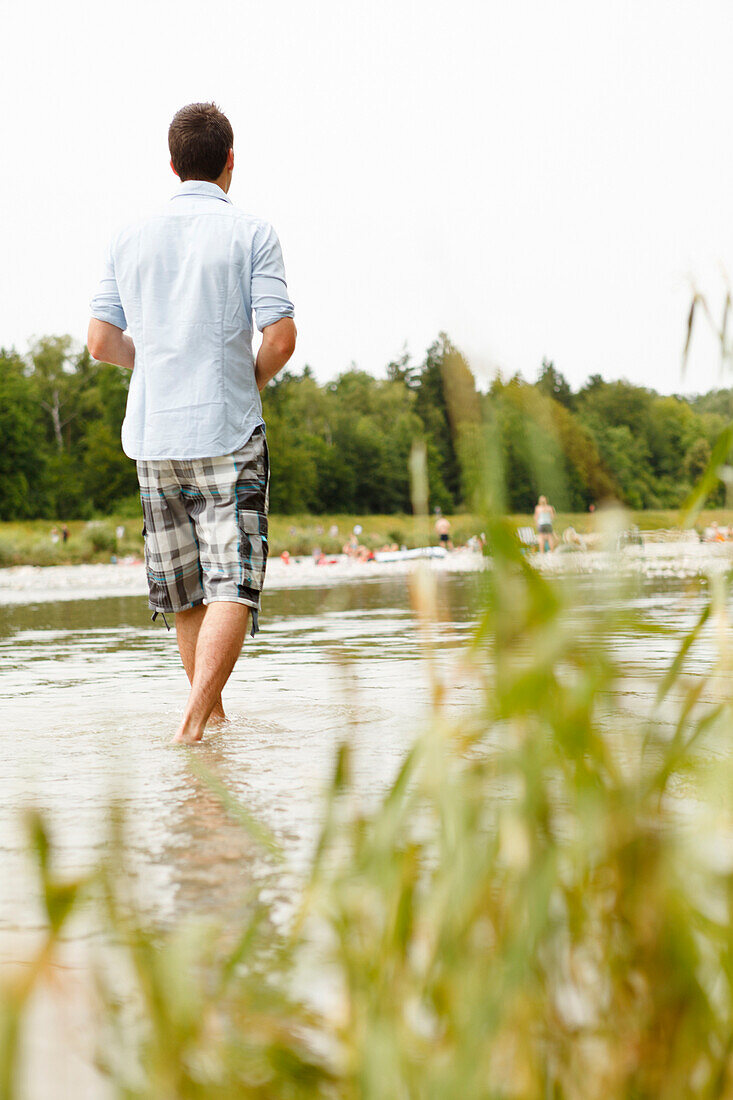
[(267, 476), (253, 548), (158, 598)]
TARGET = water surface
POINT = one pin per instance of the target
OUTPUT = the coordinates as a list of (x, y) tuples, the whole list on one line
[(92, 692)]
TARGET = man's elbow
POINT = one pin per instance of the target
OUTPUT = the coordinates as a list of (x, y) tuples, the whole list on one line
[(96, 349), (287, 345), (96, 341), (280, 338), (282, 350)]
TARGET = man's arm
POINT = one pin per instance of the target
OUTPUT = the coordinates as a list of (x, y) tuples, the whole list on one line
[(272, 306), (106, 339), (278, 344), (109, 344)]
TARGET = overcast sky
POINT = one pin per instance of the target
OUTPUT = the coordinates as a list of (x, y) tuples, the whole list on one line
[(535, 179)]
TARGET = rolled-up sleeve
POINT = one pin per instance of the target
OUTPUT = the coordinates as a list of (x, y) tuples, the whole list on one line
[(106, 304), (270, 299)]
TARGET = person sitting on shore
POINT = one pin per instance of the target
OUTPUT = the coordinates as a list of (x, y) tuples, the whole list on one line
[(572, 539), (442, 527), (713, 533)]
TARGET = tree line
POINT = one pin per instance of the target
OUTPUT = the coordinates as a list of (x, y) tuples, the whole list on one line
[(344, 446)]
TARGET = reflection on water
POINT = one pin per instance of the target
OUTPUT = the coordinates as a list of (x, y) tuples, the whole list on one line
[(91, 694), (92, 691)]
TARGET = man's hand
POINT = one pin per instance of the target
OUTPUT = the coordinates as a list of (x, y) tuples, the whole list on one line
[(278, 344), (108, 344)]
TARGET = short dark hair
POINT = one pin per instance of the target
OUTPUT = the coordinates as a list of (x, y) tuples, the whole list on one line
[(199, 138)]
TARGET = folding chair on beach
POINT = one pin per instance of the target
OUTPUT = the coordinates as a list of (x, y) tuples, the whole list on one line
[(527, 537)]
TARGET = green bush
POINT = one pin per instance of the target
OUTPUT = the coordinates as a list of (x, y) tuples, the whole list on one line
[(45, 552), (128, 507), (100, 537), (8, 554)]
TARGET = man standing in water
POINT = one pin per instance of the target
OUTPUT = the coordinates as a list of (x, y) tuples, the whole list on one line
[(184, 284)]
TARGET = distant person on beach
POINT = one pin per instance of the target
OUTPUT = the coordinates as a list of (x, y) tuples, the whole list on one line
[(544, 514), (714, 533), (442, 527), (184, 284)]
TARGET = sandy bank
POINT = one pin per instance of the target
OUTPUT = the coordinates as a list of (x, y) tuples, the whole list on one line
[(679, 560), (40, 584), (672, 560)]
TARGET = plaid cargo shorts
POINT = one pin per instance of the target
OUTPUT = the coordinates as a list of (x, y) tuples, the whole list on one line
[(205, 528)]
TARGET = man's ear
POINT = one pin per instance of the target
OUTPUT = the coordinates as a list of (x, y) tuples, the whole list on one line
[(230, 159), (174, 168)]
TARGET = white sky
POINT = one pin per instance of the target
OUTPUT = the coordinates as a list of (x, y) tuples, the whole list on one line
[(536, 179)]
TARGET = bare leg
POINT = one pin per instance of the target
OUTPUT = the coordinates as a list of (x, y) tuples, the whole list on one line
[(188, 624), (219, 643)]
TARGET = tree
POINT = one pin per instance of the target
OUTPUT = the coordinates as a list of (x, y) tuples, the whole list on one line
[(697, 459), (344, 446), (432, 408), (543, 449), (401, 370), (58, 381), (552, 384), (23, 488), (107, 474)]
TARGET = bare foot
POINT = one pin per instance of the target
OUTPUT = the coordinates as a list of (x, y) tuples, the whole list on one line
[(188, 734), (185, 739)]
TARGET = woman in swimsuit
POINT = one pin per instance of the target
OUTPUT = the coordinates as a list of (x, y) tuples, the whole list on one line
[(543, 517)]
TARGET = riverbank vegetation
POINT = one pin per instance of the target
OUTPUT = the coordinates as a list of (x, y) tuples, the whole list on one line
[(342, 447)]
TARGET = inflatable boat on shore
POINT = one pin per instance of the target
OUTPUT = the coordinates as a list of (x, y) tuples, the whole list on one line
[(409, 555)]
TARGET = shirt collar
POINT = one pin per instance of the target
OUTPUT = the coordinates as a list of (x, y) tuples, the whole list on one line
[(202, 187)]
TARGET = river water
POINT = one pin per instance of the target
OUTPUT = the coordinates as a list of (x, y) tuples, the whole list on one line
[(91, 692)]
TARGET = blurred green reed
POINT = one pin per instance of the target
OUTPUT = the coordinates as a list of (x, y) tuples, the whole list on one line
[(539, 906)]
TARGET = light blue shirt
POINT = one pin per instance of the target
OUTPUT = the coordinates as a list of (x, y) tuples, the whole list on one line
[(184, 283)]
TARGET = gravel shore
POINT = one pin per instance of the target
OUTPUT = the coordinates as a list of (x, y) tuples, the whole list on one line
[(39, 584)]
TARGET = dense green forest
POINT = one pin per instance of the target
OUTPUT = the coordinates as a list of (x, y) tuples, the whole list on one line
[(343, 446)]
